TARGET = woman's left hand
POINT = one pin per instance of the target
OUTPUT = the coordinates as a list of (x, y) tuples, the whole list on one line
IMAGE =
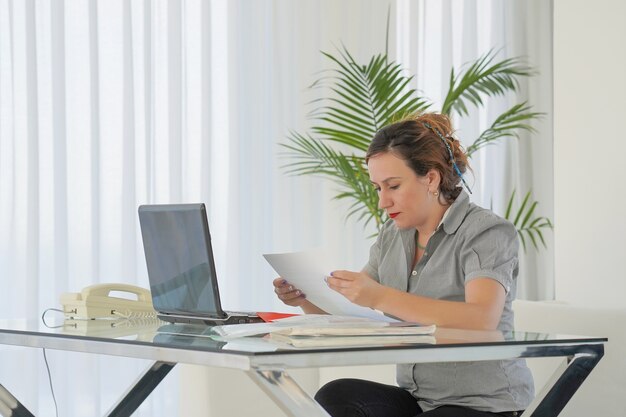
[(357, 287)]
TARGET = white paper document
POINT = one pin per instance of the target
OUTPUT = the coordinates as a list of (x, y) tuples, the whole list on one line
[(306, 271), (308, 321)]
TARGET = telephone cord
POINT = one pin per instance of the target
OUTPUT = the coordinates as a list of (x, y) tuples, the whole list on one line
[(43, 317), (45, 358)]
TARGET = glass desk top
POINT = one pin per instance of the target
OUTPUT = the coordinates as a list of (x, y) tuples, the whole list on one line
[(156, 333)]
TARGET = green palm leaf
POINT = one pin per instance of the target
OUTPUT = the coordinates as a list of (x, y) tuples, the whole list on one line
[(527, 224), (483, 78), (366, 97), (508, 124), (348, 172), (312, 157), (358, 188)]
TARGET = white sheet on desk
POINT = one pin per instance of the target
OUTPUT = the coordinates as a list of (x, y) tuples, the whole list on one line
[(306, 271), (232, 331)]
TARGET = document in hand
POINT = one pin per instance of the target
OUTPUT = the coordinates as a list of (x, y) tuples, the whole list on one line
[(306, 271)]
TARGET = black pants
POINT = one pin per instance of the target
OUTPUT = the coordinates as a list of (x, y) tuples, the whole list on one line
[(360, 398)]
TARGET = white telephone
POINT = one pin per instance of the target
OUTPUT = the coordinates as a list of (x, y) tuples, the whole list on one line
[(96, 301)]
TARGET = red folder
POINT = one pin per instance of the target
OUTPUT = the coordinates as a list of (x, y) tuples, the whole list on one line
[(269, 316)]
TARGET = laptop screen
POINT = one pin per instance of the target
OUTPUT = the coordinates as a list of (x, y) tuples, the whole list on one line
[(179, 258)]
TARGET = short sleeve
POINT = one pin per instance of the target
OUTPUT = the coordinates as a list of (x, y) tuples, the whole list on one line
[(491, 251), (371, 267)]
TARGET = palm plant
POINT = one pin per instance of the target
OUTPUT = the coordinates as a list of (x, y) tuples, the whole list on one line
[(370, 96)]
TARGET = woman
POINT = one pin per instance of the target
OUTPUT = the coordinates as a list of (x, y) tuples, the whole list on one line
[(440, 259)]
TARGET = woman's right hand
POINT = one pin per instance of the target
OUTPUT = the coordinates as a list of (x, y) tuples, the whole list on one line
[(288, 294)]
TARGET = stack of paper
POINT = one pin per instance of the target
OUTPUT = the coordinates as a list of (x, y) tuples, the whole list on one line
[(354, 334), (313, 330), (357, 329), (353, 341)]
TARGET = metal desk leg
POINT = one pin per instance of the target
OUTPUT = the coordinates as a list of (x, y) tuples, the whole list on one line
[(141, 389), (287, 394), (577, 370), (10, 406)]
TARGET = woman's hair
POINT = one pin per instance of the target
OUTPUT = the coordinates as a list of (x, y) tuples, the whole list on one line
[(425, 141)]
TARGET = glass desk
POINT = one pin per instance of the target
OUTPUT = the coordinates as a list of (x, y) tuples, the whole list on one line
[(266, 363)]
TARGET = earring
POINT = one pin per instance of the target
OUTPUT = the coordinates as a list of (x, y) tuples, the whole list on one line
[(436, 193)]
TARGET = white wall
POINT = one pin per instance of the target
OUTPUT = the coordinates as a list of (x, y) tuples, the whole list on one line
[(589, 151)]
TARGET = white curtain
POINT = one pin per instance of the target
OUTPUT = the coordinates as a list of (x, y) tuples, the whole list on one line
[(105, 105)]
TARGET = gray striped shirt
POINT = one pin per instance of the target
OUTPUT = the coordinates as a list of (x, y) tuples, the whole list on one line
[(471, 242)]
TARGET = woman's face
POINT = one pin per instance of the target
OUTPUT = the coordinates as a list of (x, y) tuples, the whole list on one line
[(402, 194)]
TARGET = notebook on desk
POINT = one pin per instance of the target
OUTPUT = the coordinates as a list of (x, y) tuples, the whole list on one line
[(181, 266)]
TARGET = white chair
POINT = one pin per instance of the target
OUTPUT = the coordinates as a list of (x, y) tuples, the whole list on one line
[(602, 394)]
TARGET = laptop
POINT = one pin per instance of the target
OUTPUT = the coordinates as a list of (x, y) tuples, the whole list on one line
[(181, 267)]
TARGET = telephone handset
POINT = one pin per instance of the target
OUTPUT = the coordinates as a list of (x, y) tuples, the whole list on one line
[(96, 301)]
